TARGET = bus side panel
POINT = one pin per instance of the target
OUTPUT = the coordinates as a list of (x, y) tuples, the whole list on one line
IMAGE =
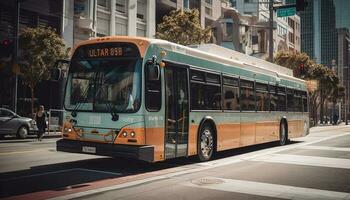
[(295, 128), (155, 137), (192, 139), (228, 136), (266, 131)]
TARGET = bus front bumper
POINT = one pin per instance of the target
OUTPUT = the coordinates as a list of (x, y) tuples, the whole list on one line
[(144, 152)]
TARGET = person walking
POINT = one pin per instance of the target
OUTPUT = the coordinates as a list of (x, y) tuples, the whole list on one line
[(40, 119)]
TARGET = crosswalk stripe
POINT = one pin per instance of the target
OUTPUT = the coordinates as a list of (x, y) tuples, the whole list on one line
[(266, 189), (305, 160), (311, 147)]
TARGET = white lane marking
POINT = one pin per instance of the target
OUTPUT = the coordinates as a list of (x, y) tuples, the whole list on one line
[(305, 160), (21, 152), (61, 171), (325, 148), (269, 190), (202, 167)]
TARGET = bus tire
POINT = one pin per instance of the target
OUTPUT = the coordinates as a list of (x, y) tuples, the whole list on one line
[(283, 133), (206, 141)]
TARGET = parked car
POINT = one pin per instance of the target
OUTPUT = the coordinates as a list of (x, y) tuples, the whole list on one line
[(13, 124)]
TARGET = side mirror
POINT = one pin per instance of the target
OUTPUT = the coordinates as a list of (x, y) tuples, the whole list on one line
[(153, 72)]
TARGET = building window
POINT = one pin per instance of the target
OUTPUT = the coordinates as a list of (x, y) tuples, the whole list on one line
[(209, 2), (186, 4), (208, 11), (228, 31), (121, 6), (141, 10), (103, 3), (141, 30)]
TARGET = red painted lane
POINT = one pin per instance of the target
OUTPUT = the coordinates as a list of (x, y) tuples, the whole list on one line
[(47, 194)]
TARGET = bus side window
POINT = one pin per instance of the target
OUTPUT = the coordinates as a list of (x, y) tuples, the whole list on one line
[(290, 100), (247, 95), (262, 97), (273, 98), (153, 88), (231, 93), (281, 99)]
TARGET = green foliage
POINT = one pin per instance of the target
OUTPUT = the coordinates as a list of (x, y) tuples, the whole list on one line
[(293, 61), (183, 27), (329, 87), (39, 49)]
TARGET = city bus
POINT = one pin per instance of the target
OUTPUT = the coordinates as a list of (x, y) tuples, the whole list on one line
[(154, 100)]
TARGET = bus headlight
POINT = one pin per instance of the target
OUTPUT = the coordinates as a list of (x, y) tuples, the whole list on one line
[(124, 134), (132, 134)]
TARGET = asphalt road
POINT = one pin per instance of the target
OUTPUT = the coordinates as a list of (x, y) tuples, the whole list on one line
[(312, 167)]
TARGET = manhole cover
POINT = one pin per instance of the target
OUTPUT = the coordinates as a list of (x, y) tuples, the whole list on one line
[(207, 181)]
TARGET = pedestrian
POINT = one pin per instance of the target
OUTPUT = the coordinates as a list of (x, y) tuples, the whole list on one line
[(40, 119)]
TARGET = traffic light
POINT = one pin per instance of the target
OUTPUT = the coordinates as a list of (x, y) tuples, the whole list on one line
[(6, 49), (300, 5), (302, 69)]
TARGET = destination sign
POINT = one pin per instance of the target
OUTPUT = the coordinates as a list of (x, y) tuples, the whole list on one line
[(106, 50)]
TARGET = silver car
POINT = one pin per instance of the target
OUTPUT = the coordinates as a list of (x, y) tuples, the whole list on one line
[(13, 124)]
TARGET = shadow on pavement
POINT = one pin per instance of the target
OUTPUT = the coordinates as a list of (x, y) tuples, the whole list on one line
[(68, 175)]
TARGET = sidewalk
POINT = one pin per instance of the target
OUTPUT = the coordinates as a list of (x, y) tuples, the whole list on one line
[(328, 127)]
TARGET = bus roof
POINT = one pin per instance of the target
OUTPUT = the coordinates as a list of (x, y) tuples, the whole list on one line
[(207, 52)]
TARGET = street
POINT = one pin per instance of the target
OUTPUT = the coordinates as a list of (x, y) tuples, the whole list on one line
[(312, 167)]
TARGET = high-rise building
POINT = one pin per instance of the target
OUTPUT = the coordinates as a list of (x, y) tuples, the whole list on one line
[(286, 32), (342, 13), (343, 52), (319, 35)]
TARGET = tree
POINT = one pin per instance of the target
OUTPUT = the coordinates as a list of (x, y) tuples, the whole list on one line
[(328, 82), (296, 62), (183, 27), (39, 50)]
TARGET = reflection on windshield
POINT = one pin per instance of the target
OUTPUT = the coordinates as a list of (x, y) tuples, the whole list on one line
[(104, 85)]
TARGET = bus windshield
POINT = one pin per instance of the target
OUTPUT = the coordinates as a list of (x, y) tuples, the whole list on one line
[(102, 85)]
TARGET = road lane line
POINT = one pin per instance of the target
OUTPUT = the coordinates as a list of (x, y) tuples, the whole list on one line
[(328, 148), (266, 189), (60, 171), (21, 152), (202, 167), (305, 160)]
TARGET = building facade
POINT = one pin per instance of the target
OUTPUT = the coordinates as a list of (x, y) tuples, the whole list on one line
[(96, 18), (319, 34), (286, 31), (32, 13)]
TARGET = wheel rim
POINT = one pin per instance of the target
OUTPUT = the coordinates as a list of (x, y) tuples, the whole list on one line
[(283, 133), (206, 143), (23, 132)]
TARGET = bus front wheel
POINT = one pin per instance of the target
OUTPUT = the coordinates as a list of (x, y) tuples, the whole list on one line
[(283, 133), (205, 143)]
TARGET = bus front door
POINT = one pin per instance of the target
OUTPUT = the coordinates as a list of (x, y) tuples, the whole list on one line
[(177, 111)]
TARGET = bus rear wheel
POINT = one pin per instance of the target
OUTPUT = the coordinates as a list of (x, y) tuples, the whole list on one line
[(205, 143), (283, 133)]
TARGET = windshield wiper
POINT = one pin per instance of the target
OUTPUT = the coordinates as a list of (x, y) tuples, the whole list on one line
[(112, 110), (85, 96)]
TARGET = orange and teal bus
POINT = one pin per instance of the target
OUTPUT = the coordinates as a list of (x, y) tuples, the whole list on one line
[(154, 100)]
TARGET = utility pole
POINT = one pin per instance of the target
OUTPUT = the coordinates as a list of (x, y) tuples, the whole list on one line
[(15, 53), (271, 31), (346, 105)]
